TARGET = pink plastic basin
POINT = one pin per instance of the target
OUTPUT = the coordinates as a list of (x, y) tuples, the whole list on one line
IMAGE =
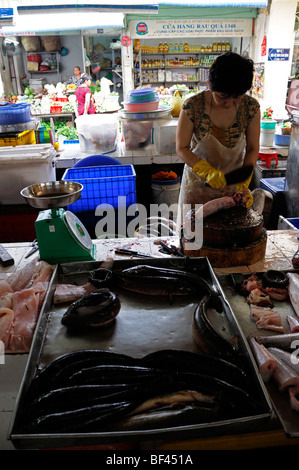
[(136, 107)]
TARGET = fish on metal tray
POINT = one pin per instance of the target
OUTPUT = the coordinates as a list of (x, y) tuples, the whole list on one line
[(96, 309)]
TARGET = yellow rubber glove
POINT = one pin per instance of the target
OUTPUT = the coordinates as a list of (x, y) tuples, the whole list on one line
[(241, 187), (215, 178)]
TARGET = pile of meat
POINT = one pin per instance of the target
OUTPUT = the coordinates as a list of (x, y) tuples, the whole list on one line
[(277, 356), (21, 298), (260, 297)]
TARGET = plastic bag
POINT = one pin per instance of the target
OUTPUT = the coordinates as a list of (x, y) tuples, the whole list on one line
[(176, 104)]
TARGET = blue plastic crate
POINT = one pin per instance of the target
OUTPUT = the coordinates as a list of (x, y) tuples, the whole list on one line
[(14, 113), (103, 185), (274, 185)]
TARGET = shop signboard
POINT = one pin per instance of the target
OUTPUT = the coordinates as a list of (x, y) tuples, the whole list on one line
[(184, 28)]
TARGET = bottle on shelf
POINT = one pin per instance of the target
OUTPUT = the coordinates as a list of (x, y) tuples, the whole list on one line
[(137, 44), (165, 48), (223, 47), (186, 47), (160, 47), (215, 46), (170, 47), (176, 47), (227, 46), (181, 47)]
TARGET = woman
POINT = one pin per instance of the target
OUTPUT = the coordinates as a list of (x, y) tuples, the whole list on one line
[(84, 96), (76, 77), (218, 131)]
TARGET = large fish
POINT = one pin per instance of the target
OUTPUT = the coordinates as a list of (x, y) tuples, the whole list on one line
[(96, 309)]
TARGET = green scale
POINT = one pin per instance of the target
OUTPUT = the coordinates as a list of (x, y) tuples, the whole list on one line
[(61, 236)]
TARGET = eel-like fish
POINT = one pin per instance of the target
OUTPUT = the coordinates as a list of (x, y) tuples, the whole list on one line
[(153, 280), (96, 309), (294, 290), (209, 340)]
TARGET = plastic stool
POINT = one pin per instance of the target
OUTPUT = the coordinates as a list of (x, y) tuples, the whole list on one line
[(267, 156)]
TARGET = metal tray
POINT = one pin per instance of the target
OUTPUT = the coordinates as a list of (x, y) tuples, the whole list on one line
[(287, 416), (144, 324)]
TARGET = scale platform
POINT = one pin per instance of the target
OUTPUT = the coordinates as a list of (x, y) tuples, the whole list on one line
[(61, 236)]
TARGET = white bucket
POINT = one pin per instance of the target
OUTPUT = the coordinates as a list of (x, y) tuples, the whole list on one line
[(267, 137), (166, 191)]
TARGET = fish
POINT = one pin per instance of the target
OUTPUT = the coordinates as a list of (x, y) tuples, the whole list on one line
[(93, 310), (293, 324), (293, 397), (77, 407), (265, 361), (140, 278), (290, 358), (70, 292), (284, 375), (293, 288), (182, 396), (266, 318), (257, 297), (209, 340), (112, 373), (275, 278), (250, 283), (287, 341), (56, 373)]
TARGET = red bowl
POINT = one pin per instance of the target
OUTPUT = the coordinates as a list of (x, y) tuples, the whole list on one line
[(141, 107)]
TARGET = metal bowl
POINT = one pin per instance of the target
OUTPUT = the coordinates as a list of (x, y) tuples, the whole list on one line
[(52, 194)]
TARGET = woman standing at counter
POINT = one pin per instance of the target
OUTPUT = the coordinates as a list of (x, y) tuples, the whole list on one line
[(84, 96), (218, 131)]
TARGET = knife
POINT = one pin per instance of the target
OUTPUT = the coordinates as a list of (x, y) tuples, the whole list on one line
[(237, 176), (123, 251)]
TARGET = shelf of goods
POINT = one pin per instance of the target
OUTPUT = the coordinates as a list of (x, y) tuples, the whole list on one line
[(175, 67), (43, 62)]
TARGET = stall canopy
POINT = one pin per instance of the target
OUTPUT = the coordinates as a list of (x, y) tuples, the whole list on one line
[(36, 16), (216, 3)]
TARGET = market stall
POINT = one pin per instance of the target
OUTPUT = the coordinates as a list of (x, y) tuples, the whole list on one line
[(279, 424)]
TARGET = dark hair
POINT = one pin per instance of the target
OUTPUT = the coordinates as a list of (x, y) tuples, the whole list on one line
[(84, 78), (231, 74)]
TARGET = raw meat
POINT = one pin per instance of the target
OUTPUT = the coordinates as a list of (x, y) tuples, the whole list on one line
[(32, 273), (276, 293), (266, 318), (285, 376), (252, 282), (293, 288), (6, 321), (293, 324), (20, 304), (265, 361), (70, 292), (259, 298), (25, 308), (4, 287)]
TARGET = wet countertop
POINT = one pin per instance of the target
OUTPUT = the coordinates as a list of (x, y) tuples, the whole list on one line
[(281, 246)]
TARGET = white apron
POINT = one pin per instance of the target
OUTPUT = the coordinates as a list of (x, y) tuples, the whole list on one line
[(193, 187)]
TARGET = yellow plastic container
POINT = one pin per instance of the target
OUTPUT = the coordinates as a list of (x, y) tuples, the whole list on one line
[(23, 138)]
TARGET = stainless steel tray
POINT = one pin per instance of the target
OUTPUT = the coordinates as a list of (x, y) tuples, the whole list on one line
[(287, 416), (144, 324)]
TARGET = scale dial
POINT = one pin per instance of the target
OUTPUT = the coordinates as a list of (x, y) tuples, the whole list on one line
[(77, 230)]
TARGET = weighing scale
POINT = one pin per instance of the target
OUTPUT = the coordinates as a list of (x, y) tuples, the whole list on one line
[(61, 236)]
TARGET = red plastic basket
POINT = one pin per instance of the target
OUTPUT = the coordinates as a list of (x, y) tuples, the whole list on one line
[(56, 109)]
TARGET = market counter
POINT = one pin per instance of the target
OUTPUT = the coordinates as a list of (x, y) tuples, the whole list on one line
[(281, 246)]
